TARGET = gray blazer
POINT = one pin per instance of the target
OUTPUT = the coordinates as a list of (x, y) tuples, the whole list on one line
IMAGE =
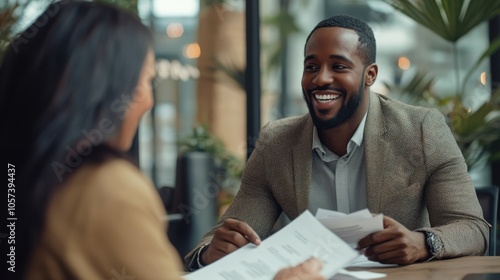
[(415, 173)]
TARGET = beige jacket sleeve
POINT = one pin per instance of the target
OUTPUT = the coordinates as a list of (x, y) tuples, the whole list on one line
[(455, 214)]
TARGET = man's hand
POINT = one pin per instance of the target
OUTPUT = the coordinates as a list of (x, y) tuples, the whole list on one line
[(395, 244), (308, 270), (232, 235)]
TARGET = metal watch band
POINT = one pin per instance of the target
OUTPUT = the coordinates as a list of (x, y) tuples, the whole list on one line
[(434, 243), (199, 261)]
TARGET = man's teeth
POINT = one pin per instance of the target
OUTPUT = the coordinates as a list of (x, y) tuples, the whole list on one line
[(326, 97)]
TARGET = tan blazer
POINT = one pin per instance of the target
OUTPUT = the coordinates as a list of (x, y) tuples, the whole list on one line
[(415, 173), (105, 222)]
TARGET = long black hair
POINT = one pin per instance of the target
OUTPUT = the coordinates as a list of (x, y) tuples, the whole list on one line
[(65, 85)]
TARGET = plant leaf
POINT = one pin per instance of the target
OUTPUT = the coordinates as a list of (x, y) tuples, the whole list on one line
[(474, 121), (450, 19)]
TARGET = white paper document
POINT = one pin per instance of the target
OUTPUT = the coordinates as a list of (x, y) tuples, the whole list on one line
[(303, 238), (352, 227)]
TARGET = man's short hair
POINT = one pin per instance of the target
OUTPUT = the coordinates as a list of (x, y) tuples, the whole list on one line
[(367, 47)]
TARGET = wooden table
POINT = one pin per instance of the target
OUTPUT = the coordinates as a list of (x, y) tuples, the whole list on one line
[(451, 269)]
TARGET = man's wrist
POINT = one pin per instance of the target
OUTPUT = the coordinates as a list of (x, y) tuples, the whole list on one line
[(434, 245), (199, 259)]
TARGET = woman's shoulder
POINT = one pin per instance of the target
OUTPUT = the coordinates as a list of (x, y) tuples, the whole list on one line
[(115, 166), (105, 185), (111, 176)]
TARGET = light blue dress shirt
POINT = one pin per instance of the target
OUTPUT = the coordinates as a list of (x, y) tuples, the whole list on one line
[(339, 183)]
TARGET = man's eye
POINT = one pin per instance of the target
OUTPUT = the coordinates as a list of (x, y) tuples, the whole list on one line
[(339, 67), (310, 68)]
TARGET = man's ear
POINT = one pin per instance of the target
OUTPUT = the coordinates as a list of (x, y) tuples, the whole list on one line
[(371, 72)]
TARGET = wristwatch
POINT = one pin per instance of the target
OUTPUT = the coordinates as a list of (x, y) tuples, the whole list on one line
[(434, 244)]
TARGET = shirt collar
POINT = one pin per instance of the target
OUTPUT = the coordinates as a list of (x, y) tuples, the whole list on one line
[(358, 136), (356, 139)]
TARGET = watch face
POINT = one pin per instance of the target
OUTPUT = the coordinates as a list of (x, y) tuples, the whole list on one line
[(434, 242)]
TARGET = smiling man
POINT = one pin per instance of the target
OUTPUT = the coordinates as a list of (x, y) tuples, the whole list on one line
[(355, 149)]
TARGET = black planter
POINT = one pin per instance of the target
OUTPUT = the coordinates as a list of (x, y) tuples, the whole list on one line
[(195, 200)]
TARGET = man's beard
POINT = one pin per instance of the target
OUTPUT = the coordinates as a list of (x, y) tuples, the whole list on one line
[(344, 113)]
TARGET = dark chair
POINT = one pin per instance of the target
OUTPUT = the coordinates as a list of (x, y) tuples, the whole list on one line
[(488, 198)]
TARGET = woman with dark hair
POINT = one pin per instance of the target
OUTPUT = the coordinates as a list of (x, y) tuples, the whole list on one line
[(74, 86)]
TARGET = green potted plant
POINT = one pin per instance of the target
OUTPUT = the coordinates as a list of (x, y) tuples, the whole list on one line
[(476, 131), (207, 154)]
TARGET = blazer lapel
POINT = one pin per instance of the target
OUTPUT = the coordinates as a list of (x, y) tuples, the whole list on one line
[(375, 156), (302, 165)]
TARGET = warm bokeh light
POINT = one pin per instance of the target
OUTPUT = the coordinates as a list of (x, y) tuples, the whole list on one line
[(192, 50), (175, 30), (483, 78), (403, 63)]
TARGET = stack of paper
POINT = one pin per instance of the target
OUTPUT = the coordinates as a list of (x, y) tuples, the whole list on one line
[(303, 238), (351, 227)]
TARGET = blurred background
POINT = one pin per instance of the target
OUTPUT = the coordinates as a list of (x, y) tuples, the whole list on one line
[(198, 126)]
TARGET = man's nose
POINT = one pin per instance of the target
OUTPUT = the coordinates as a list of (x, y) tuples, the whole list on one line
[(324, 77)]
